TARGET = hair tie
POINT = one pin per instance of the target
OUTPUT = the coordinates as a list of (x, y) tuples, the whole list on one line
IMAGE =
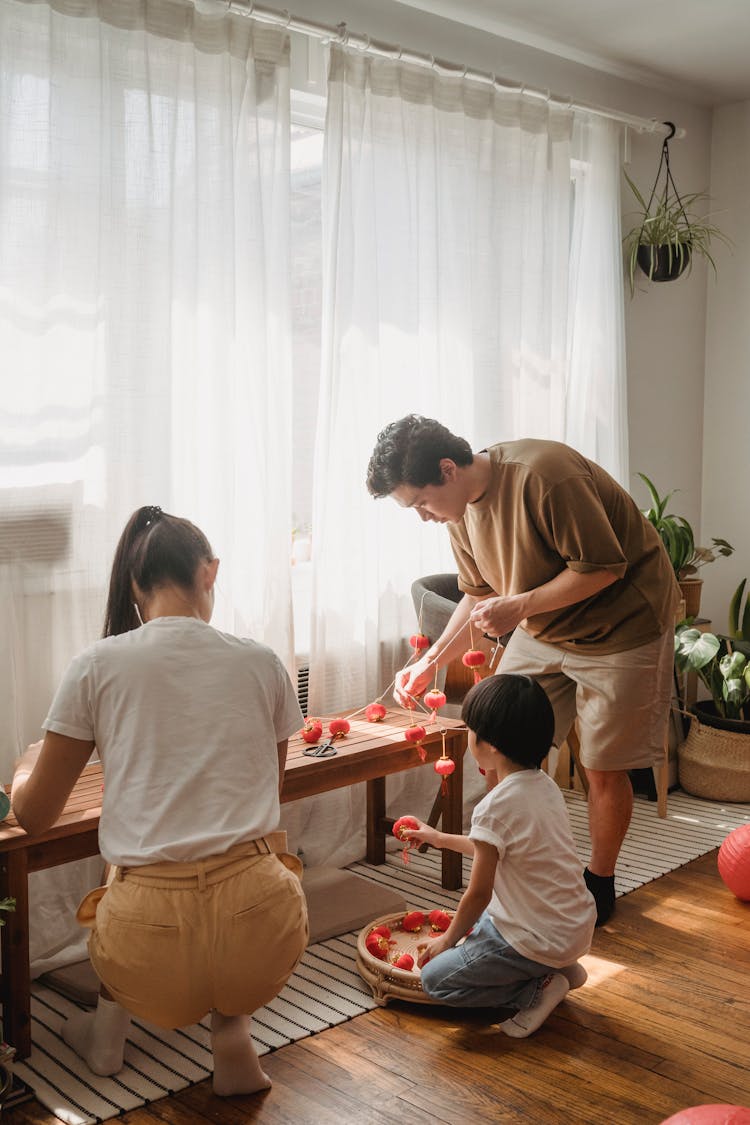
[(150, 514)]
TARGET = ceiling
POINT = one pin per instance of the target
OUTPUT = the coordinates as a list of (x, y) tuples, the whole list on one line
[(695, 49)]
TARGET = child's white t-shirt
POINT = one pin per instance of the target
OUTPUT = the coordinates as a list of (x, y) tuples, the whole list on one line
[(540, 902), (186, 720)]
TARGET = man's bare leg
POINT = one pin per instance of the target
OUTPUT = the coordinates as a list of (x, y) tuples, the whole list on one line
[(610, 806)]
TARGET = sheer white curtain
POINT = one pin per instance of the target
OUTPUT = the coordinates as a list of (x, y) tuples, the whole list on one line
[(447, 212), (596, 409), (144, 317)]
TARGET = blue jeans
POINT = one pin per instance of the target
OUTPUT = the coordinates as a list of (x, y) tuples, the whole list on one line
[(484, 972)]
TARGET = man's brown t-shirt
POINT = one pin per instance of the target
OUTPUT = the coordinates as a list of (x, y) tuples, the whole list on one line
[(547, 508)]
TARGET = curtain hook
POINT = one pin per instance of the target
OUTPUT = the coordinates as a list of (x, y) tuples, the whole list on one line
[(343, 34), (670, 125)]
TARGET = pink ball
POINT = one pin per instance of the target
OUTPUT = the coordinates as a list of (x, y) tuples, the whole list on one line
[(734, 862), (710, 1115)]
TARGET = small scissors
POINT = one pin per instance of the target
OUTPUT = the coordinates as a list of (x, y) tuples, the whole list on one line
[(323, 750)]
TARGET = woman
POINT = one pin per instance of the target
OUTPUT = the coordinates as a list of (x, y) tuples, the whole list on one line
[(191, 726)]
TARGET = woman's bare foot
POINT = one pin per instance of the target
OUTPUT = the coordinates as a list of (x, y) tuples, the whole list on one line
[(237, 1069), (99, 1036)]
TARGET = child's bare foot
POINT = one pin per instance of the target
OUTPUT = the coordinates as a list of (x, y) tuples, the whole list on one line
[(554, 989), (237, 1069)]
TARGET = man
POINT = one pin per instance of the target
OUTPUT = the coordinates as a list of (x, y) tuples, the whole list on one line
[(549, 547)]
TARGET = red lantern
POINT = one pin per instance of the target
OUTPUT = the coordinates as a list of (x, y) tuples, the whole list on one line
[(445, 767), (405, 961), (401, 823), (413, 921), (439, 920), (381, 931), (418, 642), (474, 658), (378, 946), (734, 862), (434, 699), (312, 730), (375, 712), (416, 734), (404, 822), (339, 728)]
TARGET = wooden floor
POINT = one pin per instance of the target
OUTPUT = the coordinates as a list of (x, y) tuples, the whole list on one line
[(663, 1023)]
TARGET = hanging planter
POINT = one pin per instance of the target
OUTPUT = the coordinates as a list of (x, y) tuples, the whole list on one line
[(669, 234), (664, 263)]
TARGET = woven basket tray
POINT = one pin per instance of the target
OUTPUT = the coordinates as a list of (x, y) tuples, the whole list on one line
[(715, 763), (386, 982)]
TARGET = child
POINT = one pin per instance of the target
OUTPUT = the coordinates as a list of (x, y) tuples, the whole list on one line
[(191, 726), (531, 913)]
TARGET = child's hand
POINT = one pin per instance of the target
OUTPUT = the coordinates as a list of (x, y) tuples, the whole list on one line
[(421, 835), (428, 950)]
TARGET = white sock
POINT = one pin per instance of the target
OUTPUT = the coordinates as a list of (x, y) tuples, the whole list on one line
[(237, 1069), (99, 1036), (575, 975), (528, 1020)]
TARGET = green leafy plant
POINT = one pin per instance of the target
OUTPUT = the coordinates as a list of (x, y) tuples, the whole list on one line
[(670, 222), (739, 618), (726, 673), (677, 536), (6, 904)]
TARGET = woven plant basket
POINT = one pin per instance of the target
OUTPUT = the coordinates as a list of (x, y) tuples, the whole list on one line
[(715, 762)]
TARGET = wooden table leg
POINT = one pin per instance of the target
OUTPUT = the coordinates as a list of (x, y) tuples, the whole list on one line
[(375, 818), (15, 983), (452, 818)]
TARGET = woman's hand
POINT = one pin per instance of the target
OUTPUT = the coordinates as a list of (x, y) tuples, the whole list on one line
[(428, 950), (412, 680), (497, 616)]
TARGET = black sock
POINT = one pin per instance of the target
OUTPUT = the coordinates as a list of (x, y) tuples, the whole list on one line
[(602, 888)]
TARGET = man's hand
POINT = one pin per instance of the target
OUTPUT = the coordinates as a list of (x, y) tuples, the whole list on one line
[(411, 681), (497, 616)]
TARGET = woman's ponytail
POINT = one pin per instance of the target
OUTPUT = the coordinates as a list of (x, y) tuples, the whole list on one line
[(155, 549)]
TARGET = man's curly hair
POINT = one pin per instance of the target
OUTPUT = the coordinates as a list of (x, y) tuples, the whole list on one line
[(410, 451)]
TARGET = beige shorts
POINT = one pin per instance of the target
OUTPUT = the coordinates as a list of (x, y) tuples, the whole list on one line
[(171, 941), (622, 699)]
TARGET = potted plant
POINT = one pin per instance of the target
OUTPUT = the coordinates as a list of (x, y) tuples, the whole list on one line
[(739, 620), (678, 538), (714, 759), (667, 235)]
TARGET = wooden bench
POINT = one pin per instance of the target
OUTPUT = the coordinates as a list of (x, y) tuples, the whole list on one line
[(369, 753)]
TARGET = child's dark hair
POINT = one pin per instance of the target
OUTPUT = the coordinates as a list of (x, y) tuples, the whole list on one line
[(410, 451), (154, 550), (513, 714)]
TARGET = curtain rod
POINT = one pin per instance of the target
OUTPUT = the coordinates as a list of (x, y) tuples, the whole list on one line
[(340, 34)]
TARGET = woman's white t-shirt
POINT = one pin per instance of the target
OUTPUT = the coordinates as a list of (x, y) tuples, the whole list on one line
[(186, 720), (540, 902)]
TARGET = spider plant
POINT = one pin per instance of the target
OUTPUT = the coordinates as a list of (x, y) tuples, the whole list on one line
[(669, 225)]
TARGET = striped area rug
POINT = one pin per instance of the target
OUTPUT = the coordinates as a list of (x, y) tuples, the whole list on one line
[(326, 989)]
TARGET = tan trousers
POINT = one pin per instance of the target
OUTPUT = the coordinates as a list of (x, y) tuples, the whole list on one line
[(171, 941)]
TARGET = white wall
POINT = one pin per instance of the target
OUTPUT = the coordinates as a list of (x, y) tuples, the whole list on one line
[(665, 324), (726, 447)]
